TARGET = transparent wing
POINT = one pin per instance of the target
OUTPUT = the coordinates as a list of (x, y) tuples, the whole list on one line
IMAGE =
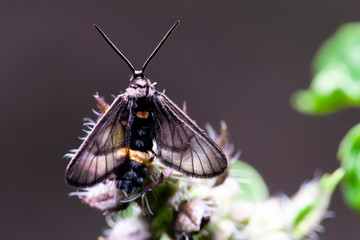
[(182, 145), (103, 150)]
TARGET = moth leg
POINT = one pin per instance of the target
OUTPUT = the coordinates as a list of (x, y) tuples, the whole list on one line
[(160, 179)]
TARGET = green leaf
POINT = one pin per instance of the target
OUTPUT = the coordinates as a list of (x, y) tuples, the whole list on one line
[(127, 213), (349, 153), (312, 201), (162, 221), (343, 48), (336, 74), (253, 187)]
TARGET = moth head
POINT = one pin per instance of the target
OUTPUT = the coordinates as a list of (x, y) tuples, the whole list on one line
[(140, 85)]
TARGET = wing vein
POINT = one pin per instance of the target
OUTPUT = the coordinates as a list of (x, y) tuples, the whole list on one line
[(212, 168)]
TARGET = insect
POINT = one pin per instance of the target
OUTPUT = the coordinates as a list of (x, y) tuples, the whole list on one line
[(140, 124)]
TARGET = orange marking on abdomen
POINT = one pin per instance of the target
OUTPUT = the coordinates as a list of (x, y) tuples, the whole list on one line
[(135, 155)]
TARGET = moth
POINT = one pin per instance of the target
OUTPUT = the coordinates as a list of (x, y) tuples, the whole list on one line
[(140, 124)]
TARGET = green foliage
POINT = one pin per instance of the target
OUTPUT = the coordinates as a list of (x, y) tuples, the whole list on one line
[(312, 203), (162, 221), (255, 189), (336, 74), (336, 85), (349, 153)]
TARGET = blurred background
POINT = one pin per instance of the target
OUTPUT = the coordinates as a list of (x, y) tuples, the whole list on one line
[(237, 61)]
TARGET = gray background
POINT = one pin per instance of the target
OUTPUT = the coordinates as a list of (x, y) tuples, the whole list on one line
[(237, 61)]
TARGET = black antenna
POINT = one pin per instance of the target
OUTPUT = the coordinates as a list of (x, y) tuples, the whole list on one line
[(159, 45), (115, 49)]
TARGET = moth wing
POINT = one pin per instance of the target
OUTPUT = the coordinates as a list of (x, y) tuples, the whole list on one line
[(182, 145), (103, 149)]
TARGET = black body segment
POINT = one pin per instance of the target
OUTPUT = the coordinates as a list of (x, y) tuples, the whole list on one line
[(142, 131), (130, 176)]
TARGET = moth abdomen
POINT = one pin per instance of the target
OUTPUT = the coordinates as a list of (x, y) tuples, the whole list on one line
[(130, 175), (142, 131)]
